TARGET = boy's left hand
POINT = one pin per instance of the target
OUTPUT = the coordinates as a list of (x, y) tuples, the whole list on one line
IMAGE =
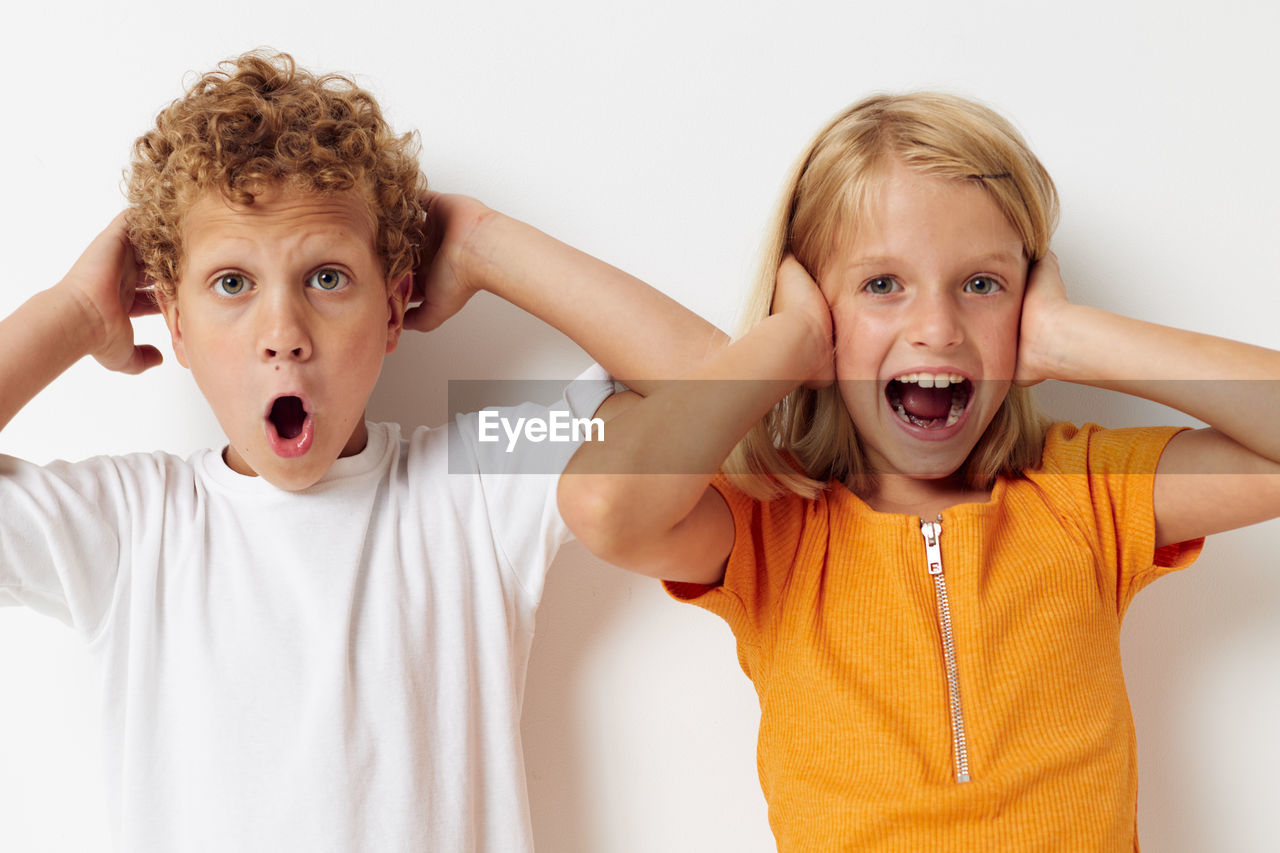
[(1043, 306), (441, 284)]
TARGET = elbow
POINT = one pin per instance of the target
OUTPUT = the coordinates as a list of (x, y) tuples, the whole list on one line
[(594, 508)]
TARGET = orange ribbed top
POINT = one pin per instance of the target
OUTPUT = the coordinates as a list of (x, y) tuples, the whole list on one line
[(838, 624)]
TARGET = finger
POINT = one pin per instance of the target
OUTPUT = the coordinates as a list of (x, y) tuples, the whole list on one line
[(418, 286), (143, 357), (421, 319), (119, 225), (793, 286), (118, 232), (433, 233), (1048, 266), (145, 302)]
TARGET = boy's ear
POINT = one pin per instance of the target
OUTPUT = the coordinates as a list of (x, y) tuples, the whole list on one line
[(397, 303), (169, 308)]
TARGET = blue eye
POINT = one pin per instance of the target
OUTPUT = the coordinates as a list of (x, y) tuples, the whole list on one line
[(231, 284), (982, 285), (327, 279), (881, 285)]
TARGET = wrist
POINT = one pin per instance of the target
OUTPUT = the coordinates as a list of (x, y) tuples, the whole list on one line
[(1076, 349), (82, 330), (806, 345), (475, 259)]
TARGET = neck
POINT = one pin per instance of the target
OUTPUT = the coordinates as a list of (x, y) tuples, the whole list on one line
[(927, 499)]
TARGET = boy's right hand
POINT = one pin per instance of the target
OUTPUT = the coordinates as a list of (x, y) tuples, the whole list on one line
[(798, 294), (106, 285)]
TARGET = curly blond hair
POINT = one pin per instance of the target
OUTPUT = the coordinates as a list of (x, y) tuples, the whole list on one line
[(258, 122)]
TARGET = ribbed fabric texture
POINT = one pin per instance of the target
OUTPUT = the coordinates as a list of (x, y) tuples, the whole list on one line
[(837, 623)]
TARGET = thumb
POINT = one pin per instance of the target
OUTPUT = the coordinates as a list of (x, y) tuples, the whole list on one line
[(141, 358), (424, 318)]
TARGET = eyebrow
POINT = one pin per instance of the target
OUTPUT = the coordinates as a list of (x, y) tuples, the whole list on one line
[(235, 251), (997, 257), (231, 242)]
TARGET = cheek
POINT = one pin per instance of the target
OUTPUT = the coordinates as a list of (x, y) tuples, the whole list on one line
[(861, 344), (1001, 346), (362, 348), (992, 332)]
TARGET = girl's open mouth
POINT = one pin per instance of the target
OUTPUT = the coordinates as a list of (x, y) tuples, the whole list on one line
[(929, 400), (290, 428)]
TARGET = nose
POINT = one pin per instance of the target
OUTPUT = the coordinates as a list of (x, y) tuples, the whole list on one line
[(283, 333), (934, 322)]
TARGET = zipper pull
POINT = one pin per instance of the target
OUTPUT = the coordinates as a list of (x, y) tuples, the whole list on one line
[(932, 530)]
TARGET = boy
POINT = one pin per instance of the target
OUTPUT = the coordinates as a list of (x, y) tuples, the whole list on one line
[(317, 639)]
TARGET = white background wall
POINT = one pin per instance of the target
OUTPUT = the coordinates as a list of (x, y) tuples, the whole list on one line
[(656, 136)]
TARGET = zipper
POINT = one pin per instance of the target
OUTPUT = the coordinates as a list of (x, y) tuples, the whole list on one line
[(932, 530)]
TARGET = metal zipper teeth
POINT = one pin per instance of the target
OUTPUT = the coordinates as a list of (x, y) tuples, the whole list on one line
[(932, 530)]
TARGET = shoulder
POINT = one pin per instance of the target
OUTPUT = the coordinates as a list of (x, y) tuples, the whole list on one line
[(1093, 449), (1105, 480), (773, 541), (770, 534), (100, 474), (1095, 473), (784, 510)]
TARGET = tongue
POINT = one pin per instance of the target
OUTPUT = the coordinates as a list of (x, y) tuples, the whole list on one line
[(926, 403)]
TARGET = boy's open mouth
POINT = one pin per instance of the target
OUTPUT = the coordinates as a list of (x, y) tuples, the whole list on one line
[(290, 427), (288, 416), (929, 400)]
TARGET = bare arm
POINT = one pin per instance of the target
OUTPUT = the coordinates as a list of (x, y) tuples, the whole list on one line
[(87, 313), (636, 332), (1208, 480), (642, 499)]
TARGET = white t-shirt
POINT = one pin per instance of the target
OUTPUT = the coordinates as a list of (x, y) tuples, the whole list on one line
[(339, 669)]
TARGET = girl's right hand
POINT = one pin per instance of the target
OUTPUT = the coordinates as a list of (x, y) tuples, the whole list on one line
[(107, 286), (797, 295)]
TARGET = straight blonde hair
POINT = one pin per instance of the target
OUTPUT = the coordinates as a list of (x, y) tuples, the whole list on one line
[(808, 438)]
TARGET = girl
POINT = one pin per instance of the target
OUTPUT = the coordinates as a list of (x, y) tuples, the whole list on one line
[(925, 578)]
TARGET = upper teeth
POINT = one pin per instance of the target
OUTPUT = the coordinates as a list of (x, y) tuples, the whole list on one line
[(931, 380)]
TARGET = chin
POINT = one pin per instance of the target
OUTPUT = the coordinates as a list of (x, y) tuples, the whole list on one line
[(927, 460), (298, 479), (941, 471), (297, 475)]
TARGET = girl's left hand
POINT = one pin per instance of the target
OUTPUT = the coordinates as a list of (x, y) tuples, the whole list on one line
[(1043, 306)]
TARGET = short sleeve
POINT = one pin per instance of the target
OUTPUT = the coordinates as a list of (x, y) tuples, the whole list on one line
[(1111, 483), (767, 538), (518, 475), (61, 533)]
